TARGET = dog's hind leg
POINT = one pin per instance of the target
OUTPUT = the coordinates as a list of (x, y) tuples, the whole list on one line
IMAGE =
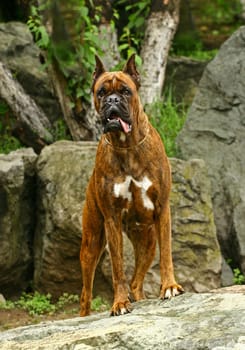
[(169, 287), (143, 239), (93, 244)]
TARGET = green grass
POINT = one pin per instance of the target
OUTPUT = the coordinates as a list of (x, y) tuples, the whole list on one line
[(198, 54), (168, 118), (39, 304)]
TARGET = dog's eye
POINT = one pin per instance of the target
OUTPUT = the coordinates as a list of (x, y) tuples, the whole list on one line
[(101, 92), (126, 92)]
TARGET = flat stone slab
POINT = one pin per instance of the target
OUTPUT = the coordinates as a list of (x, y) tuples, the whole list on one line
[(190, 321)]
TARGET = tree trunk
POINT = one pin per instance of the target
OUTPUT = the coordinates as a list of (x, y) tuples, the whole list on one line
[(161, 27), (32, 123), (79, 126)]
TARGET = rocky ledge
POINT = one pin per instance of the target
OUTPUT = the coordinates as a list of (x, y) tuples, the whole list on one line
[(191, 321)]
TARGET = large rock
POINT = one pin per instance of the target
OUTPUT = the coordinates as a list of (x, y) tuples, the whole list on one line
[(182, 78), (188, 322), (63, 170), (17, 201), (215, 131), (19, 53)]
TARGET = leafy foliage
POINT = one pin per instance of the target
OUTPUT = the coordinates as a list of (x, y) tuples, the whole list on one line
[(36, 304), (60, 131), (238, 278), (35, 25), (66, 299), (8, 142), (220, 11), (39, 304), (99, 305), (133, 30), (69, 56)]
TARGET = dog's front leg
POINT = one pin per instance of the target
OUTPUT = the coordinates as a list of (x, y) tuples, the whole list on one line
[(121, 304), (93, 244)]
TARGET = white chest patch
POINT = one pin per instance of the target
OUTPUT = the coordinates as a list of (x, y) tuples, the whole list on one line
[(122, 190)]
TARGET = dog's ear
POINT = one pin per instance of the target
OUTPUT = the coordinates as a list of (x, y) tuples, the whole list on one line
[(130, 69), (99, 69)]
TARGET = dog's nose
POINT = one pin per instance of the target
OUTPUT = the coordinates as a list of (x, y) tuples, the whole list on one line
[(113, 99)]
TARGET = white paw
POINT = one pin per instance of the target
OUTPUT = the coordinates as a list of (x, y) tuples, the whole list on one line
[(124, 311), (171, 292)]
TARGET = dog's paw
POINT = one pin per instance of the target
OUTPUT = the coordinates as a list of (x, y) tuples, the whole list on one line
[(121, 308), (171, 291)]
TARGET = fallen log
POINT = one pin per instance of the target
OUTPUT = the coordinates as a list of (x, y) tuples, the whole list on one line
[(32, 125)]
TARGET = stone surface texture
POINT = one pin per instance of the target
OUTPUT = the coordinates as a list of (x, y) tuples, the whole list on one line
[(215, 132), (63, 170), (182, 78), (19, 53), (17, 201), (188, 322)]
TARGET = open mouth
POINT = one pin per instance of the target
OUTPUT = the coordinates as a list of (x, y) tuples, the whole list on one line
[(115, 122)]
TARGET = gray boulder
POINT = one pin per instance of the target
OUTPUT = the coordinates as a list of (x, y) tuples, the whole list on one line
[(19, 53), (188, 322), (17, 219), (182, 78), (215, 132), (63, 170)]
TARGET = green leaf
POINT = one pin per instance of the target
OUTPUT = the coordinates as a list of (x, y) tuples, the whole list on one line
[(44, 40), (83, 11)]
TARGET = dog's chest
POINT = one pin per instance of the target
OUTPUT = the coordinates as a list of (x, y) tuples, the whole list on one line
[(135, 192)]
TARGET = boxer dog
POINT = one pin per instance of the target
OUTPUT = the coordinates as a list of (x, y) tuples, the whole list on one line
[(128, 191)]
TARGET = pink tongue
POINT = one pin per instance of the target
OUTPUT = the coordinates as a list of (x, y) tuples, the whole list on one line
[(124, 125)]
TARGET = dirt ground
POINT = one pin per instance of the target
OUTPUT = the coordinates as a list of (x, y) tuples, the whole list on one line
[(18, 317)]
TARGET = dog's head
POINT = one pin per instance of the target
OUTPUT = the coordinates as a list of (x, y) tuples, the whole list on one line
[(116, 96)]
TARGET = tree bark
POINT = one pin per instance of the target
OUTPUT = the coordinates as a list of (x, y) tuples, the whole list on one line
[(32, 124), (161, 27)]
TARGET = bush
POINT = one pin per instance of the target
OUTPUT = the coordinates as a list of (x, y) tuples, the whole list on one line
[(39, 304), (36, 304), (99, 305)]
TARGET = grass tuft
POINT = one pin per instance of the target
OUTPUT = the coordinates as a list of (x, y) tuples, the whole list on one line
[(168, 118)]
